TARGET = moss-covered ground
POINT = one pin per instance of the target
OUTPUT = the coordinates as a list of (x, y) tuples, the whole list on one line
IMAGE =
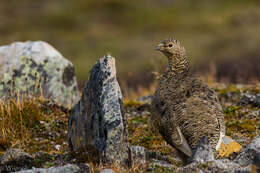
[(40, 127)]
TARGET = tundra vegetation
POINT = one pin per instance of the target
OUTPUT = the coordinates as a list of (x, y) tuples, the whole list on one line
[(39, 127), (221, 37)]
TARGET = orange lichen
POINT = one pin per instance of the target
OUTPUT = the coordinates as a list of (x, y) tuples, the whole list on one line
[(228, 146)]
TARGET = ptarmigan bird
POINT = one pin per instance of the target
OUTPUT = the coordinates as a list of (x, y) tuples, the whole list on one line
[(184, 109)]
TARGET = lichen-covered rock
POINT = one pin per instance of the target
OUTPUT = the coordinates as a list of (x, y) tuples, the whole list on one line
[(13, 154), (15, 160), (98, 123), (217, 166), (247, 155), (250, 99), (203, 152), (228, 146), (153, 163), (36, 68), (69, 168)]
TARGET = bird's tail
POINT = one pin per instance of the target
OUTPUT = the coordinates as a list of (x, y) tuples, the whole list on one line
[(227, 145)]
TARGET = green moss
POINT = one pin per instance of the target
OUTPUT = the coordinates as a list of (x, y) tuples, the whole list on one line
[(230, 89), (230, 110), (132, 103), (243, 125), (160, 169)]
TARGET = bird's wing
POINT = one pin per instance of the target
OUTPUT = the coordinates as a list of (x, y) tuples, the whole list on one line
[(164, 118), (204, 113), (184, 146), (172, 135)]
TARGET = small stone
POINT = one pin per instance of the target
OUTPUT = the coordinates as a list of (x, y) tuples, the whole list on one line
[(250, 99), (107, 171), (69, 168), (14, 160), (57, 147), (145, 99), (138, 154), (84, 167), (97, 123), (255, 114), (160, 163), (152, 155), (14, 154), (246, 156), (203, 152)]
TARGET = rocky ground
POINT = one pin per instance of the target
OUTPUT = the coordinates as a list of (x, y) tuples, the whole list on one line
[(46, 144)]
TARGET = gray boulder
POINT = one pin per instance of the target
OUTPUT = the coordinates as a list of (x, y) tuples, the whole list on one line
[(247, 155), (97, 123), (69, 168), (36, 68)]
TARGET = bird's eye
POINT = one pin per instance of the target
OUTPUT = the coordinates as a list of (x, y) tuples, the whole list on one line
[(170, 45)]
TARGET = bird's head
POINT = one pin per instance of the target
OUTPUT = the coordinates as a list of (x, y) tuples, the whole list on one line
[(170, 47)]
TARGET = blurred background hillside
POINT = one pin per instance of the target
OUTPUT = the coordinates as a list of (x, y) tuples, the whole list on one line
[(221, 37)]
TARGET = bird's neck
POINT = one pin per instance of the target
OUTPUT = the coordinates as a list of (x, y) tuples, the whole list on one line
[(178, 65)]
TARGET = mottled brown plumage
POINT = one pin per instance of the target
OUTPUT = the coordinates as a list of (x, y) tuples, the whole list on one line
[(184, 108)]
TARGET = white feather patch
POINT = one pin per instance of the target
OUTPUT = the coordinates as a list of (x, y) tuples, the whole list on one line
[(220, 140)]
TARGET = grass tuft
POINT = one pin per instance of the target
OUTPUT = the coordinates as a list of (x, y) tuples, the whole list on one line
[(23, 122)]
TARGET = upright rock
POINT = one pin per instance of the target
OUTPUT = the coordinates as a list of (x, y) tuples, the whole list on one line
[(98, 123), (34, 68)]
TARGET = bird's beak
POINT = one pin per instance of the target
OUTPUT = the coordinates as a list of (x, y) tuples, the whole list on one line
[(159, 47)]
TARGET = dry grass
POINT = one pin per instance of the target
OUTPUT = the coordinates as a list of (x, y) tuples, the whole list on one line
[(132, 94), (23, 123), (17, 120)]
